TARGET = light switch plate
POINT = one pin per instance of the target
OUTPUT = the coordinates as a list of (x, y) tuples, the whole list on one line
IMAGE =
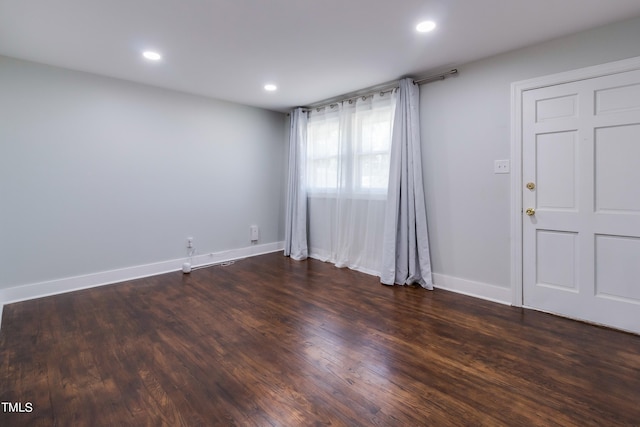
[(501, 166)]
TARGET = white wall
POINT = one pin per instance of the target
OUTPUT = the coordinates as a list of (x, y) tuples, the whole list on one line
[(465, 127), (99, 174)]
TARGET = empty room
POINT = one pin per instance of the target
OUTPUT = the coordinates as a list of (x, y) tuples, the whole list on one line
[(329, 213)]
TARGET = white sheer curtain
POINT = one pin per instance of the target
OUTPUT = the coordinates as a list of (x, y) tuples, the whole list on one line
[(348, 151), (295, 239), (405, 258)]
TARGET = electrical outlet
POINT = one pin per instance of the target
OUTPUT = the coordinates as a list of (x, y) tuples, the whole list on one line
[(254, 232), (501, 166), (189, 242)]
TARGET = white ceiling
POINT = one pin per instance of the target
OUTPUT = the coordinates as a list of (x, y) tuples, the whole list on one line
[(312, 49)]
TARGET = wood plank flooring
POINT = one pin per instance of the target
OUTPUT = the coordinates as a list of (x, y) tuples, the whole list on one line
[(270, 341)]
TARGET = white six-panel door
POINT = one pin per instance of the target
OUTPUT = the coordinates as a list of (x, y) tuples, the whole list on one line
[(581, 238)]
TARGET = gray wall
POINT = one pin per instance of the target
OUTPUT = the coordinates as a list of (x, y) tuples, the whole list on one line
[(99, 174), (466, 126)]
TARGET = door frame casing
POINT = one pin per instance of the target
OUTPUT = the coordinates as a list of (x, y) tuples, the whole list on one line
[(517, 91)]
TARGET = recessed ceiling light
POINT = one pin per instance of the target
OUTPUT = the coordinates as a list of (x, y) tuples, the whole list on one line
[(151, 55), (425, 26), (270, 87)]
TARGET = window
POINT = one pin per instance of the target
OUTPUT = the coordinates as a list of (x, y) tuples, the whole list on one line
[(348, 148), (322, 153), (372, 149)]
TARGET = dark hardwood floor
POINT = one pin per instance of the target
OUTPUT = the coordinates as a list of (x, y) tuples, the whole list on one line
[(273, 342)]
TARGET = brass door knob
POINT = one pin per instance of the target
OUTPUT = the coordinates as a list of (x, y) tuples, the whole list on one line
[(531, 185), (530, 211)]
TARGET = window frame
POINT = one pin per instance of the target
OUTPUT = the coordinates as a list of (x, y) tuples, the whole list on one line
[(348, 179)]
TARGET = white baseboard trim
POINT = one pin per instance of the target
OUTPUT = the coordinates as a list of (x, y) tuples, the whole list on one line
[(474, 289), (234, 254), (69, 284)]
